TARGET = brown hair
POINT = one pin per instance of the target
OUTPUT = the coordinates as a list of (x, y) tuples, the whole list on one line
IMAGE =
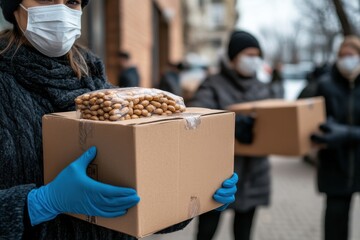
[(351, 41), (75, 56)]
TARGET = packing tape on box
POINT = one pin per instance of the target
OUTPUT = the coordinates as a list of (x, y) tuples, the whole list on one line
[(194, 207), (310, 103), (192, 120), (85, 132)]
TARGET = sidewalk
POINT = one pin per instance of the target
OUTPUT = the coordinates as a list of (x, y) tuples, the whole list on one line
[(295, 212)]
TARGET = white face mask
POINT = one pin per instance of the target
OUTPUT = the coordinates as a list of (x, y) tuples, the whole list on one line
[(347, 65), (248, 66), (53, 29)]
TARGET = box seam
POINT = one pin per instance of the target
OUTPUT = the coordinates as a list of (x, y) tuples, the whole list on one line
[(178, 170), (139, 222)]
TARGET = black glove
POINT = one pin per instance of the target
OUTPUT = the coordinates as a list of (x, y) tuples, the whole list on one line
[(244, 128), (334, 134)]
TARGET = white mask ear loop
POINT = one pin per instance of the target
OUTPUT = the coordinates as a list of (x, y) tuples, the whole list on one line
[(22, 6)]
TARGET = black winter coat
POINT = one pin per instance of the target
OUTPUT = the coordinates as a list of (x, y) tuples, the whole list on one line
[(32, 85), (129, 77), (339, 168), (170, 82), (218, 92)]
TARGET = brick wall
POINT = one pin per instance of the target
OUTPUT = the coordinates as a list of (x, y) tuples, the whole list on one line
[(176, 28), (136, 30), (112, 39), (132, 31)]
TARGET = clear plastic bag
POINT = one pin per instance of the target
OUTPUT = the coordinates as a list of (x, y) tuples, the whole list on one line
[(127, 103)]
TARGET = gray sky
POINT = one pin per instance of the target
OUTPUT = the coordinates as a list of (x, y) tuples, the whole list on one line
[(276, 16), (273, 14)]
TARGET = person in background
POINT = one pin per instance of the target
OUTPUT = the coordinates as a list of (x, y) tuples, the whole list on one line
[(208, 70), (128, 74), (170, 80), (42, 71), (237, 83), (309, 91), (313, 80), (338, 172), (277, 82)]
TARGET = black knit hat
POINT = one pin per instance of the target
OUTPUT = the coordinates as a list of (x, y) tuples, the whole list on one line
[(9, 6), (239, 40)]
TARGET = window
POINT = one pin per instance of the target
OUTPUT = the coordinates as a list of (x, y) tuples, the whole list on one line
[(217, 15)]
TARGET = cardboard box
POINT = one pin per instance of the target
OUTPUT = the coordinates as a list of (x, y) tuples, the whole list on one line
[(281, 127), (176, 166)]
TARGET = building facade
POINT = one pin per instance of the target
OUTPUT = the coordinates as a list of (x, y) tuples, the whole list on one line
[(207, 27), (150, 30), (155, 32)]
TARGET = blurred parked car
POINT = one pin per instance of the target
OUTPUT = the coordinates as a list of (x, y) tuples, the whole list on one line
[(294, 76), (297, 71)]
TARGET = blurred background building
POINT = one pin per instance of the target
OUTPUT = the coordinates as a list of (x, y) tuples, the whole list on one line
[(207, 24), (151, 31), (156, 32)]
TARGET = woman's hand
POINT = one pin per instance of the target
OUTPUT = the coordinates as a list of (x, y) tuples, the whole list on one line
[(72, 191), (226, 194)]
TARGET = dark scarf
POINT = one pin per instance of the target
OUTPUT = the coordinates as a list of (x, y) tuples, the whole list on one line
[(32, 85), (51, 79), (340, 79)]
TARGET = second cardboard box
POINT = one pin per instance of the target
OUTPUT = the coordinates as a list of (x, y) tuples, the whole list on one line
[(281, 127)]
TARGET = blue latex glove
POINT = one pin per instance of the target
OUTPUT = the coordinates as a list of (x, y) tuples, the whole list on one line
[(226, 194), (72, 191)]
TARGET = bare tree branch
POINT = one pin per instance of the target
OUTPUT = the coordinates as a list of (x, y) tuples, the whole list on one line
[(343, 17)]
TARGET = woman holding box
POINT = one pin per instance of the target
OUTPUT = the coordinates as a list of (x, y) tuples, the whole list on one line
[(236, 83), (43, 71), (339, 159)]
